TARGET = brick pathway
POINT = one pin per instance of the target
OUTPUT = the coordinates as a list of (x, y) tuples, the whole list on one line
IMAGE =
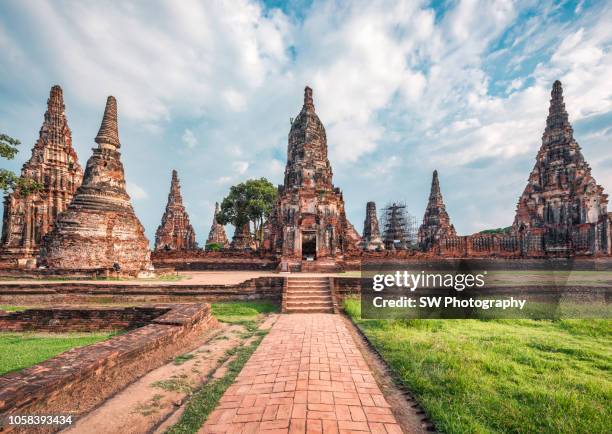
[(306, 376)]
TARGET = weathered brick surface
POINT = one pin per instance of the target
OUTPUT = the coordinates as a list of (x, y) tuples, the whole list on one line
[(79, 320), (269, 288), (306, 376), (81, 378), (200, 260), (309, 219), (175, 232), (55, 166), (217, 233), (99, 229)]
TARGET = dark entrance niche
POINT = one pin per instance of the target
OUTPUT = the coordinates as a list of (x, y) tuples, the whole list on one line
[(309, 245)]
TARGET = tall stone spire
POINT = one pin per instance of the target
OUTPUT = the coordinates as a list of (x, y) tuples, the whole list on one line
[(55, 166), (371, 231), (562, 204), (307, 162), (436, 222), (308, 225), (99, 229), (217, 235), (175, 232), (108, 135)]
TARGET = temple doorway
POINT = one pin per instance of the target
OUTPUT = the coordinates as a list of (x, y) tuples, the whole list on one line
[(309, 245)]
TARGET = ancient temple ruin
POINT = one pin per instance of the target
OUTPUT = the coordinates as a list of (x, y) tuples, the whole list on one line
[(99, 229), (371, 239), (309, 228), (175, 232), (54, 165), (562, 209), (217, 236), (436, 222), (243, 239)]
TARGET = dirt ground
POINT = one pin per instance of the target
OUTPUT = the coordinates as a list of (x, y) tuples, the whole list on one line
[(154, 402)]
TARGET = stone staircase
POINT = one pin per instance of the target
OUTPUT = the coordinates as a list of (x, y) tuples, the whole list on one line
[(307, 295)]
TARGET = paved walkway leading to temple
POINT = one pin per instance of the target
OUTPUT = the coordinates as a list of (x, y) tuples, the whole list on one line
[(306, 376)]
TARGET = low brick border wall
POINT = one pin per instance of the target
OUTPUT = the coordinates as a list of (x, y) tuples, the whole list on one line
[(80, 379), (61, 320), (268, 288), (226, 260)]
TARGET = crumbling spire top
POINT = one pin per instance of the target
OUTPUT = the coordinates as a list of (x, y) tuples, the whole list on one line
[(308, 101), (435, 185), (56, 99), (558, 118), (109, 129)]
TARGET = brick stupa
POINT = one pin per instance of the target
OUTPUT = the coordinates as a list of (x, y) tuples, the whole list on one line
[(175, 232), (436, 222), (217, 235), (371, 230), (309, 228), (99, 229), (54, 165), (242, 238), (562, 207)]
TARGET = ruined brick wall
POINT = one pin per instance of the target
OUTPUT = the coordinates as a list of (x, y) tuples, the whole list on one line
[(201, 260), (80, 379), (62, 320), (268, 288)]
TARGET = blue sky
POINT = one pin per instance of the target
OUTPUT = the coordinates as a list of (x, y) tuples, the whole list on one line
[(403, 88)]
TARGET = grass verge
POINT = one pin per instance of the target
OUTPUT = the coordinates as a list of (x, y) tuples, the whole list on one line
[(240, 311), (22, 350), (10, 308), (501, 376), (204, 401)]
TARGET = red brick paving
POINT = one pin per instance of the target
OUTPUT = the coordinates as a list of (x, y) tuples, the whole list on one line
[(307, 376)]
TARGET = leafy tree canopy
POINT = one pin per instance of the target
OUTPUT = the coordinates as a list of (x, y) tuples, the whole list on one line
[(250, 201), (9, 181)]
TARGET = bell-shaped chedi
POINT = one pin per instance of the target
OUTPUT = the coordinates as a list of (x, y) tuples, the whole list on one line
[(371, 230), (99, 229), (243, 239), (217, 236), (309, 221), (436, 222), (175, 232), (562, 209), (53, 165)]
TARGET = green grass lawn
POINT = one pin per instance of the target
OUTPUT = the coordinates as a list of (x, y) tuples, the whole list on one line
[(242, 310), (21, 350), (502, 376)]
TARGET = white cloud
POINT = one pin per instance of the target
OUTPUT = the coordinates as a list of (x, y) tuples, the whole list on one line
[(240, 167), (189, 138), (136, 192)]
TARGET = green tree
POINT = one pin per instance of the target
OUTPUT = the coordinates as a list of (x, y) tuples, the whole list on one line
[(250, 201), (9, 181)]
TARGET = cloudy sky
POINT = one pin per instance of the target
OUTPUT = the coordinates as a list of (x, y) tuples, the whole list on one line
[(403, 88)]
